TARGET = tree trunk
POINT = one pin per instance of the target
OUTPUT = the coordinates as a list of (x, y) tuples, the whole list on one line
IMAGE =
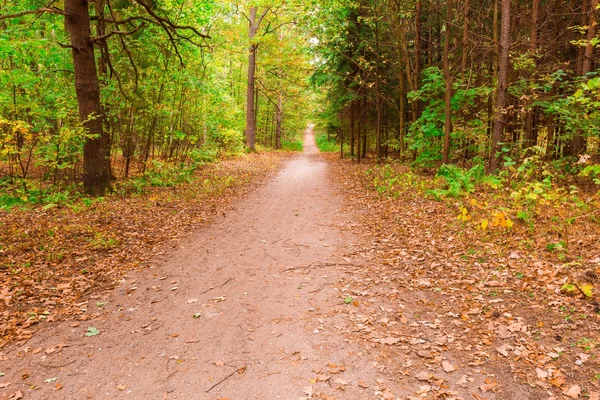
[(378, 105), (352, 130), (96, 150), (579, 143), (279, 112), (530, 132), (465, 36), (448, 78), (250, 105), (502, 91), (359, 131), (418, 27)]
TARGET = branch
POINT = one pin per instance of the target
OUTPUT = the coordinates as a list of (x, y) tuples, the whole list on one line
[(121, 33), (267, 31), (51, 10), (169, 23), (262, 16)]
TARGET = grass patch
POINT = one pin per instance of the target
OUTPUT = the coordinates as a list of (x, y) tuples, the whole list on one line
[(295, 145), (327, 146)]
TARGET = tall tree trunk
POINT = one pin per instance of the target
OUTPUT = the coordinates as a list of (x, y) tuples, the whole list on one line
[(448, 78), (579, 143), (352, 130), (418, 28), (96, 150), (279, 112), (530, 132), (378, 105), (465, 36), (250, 105), (502, 91), (359, 131)]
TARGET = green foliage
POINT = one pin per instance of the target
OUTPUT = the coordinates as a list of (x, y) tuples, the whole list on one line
[(161, 174), (425, 134), (458, 181), (229, 141), (292, 145), (593, 171), (390, 180), (325, 145)]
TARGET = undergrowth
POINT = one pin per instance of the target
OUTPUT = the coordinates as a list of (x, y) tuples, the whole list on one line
[(325, 145), (533, 191)]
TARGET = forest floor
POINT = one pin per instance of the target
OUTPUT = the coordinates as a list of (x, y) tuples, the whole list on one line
[(312, 286)]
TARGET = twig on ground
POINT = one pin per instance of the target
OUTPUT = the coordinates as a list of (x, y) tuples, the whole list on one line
[(227, 377), (215, 287), (237, 251), (57, 366)]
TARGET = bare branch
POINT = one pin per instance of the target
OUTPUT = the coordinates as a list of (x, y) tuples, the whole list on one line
[(169, 23), (269, 30), (50, 10), (262, 16), (121, 33)]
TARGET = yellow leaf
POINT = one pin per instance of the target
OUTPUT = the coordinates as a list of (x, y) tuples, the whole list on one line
[(484, 224), (587, 289), (509, 224)]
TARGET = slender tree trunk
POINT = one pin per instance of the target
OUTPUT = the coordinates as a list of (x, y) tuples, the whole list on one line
[(342, 142), (502, 91), (418, 28), (279, 112), (448, 77), (530, 132), (378, 96), (96, 150), (465, 36), (579, 143), (359, 131), (250, 105), (352, 130)]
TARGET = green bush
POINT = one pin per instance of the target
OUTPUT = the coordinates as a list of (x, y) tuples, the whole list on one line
[(327, 146), (294, 145)]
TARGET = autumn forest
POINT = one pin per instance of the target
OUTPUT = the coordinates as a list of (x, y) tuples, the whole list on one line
[(416, 181)]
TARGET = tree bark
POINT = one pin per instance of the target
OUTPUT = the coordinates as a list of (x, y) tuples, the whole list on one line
[(96, 150), (358, 132), (448, 78), (250, 105), (502, 91), (279, 112), (352, 133), (578, 145), (465, 36), (530, 132)]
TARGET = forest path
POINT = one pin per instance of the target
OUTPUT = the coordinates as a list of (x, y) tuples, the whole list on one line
[(234, 312), (282, 297)]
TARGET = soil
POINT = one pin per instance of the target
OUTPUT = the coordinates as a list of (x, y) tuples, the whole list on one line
[(258, 305)]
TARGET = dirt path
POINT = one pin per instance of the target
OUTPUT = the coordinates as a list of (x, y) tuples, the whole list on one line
[(276, 299), (236, 309)]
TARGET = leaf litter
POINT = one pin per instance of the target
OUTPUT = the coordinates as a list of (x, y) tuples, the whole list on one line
[(439, 294), (53, 260)]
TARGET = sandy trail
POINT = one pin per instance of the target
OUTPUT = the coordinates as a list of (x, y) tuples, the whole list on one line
[(236, 305)]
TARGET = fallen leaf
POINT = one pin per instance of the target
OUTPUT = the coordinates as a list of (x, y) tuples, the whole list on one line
[(18, 395), (448, 367), (91, 331), (541, 374), (573, 392), (558, 381)]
